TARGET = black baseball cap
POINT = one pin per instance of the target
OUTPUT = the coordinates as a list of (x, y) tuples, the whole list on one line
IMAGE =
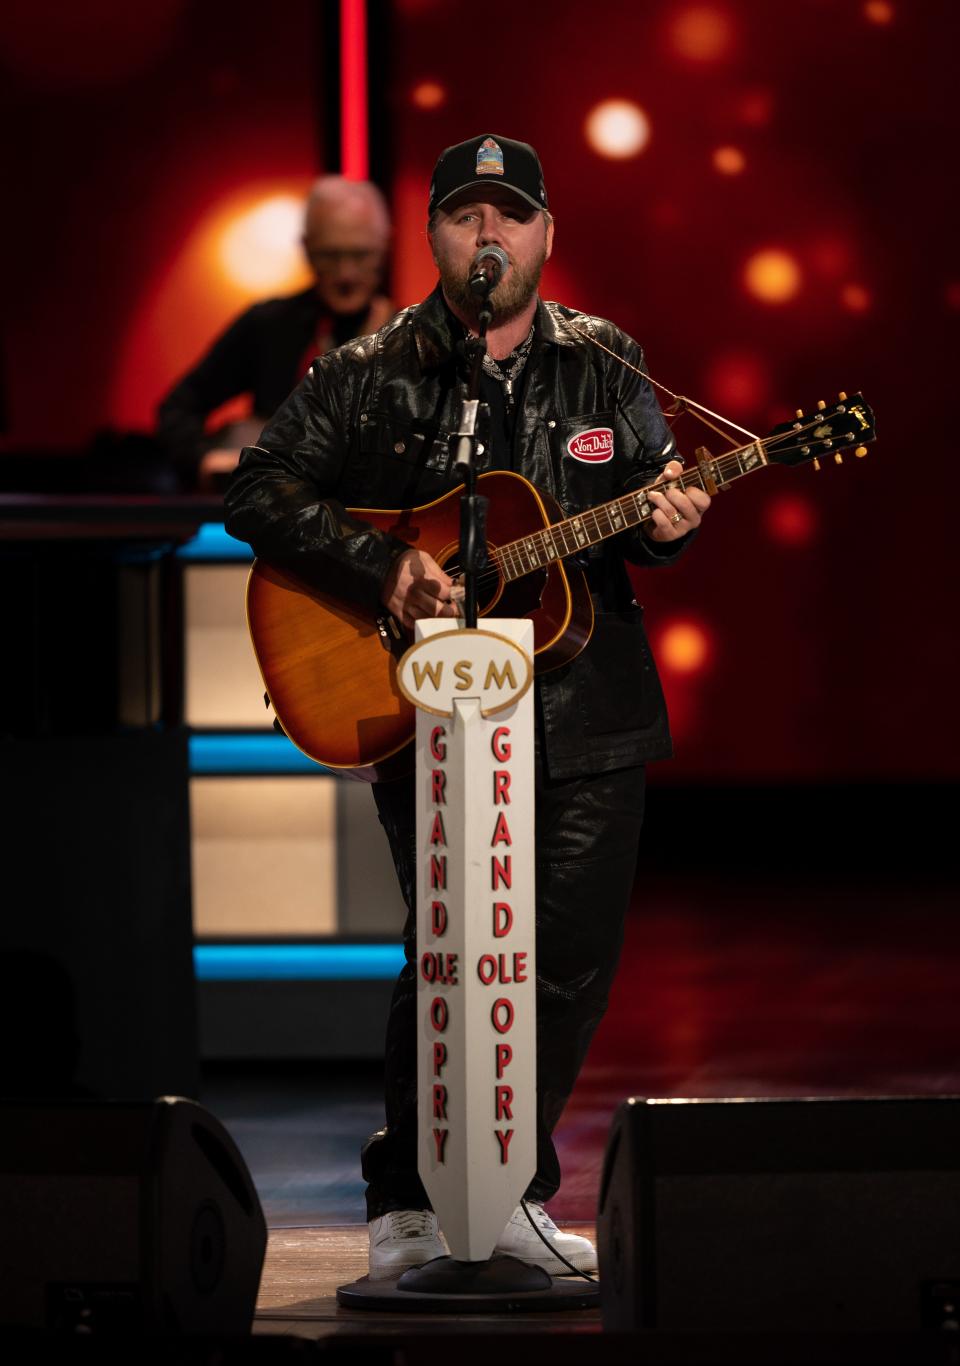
[(488, 159)]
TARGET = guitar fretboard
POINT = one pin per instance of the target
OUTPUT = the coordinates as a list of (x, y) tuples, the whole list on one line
[(555, 542)]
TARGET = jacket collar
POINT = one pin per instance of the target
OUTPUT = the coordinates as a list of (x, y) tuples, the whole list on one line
[(554, 326), (435, 340)]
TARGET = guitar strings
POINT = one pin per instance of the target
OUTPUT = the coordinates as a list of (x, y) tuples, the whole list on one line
[(726, 462)]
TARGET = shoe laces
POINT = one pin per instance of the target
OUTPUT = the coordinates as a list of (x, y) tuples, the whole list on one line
[(411, 1223), (540, 1216)]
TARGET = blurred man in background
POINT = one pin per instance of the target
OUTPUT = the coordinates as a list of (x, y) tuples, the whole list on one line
[(267, 350)]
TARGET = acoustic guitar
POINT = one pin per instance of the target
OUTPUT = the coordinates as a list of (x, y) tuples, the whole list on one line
[(330, 671)]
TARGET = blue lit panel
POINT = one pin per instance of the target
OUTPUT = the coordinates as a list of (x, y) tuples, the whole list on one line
[(212, 543), (297, 962), (268, 753)]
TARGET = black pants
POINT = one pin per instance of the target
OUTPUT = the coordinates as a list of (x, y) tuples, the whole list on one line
[(587, 831)]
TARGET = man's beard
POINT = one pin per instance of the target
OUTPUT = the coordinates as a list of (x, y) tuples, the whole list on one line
[(510, 297)]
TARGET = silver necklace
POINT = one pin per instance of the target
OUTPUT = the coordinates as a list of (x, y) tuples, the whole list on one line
[(507, 370)]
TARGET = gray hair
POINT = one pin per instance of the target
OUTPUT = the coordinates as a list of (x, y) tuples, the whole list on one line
[(337, 190)]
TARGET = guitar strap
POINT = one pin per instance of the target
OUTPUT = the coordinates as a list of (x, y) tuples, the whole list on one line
[(681, 403)]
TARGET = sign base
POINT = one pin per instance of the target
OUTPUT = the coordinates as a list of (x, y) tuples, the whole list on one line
[(496, 1275), (501, 1284)]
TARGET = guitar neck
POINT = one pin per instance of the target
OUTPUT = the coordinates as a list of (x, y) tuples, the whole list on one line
[(561, 539)]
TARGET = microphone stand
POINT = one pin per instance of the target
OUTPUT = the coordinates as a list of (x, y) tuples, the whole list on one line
[(499, 1283), (473, 506)]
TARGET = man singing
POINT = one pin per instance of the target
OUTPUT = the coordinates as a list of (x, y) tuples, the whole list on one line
[(371, 426)]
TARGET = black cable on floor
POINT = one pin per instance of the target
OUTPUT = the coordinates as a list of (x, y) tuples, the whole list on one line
[(559, 1255)]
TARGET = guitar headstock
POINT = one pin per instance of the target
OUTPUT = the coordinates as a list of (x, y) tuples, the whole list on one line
[(826, 431)]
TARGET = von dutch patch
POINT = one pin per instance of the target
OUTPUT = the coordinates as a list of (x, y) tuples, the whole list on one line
[(594, 447)]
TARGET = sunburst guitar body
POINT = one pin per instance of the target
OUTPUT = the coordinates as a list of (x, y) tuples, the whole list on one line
[(330, 670)]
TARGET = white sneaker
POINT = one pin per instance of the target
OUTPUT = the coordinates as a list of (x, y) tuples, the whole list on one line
[(401, 1239), (520, 1241)]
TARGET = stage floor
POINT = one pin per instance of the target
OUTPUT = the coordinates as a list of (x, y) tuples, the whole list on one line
[(827, 987), (304, 1267)]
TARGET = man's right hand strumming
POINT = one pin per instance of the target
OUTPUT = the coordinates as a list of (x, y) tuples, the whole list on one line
[(417, 587)]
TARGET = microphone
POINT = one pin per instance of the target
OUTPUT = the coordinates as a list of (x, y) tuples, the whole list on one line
[(487, 269)]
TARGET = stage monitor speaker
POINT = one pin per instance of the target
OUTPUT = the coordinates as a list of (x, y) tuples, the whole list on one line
[(747, 1215), (134, 1217)]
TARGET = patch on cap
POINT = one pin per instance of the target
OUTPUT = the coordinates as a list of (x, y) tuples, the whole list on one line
[(489, 158)]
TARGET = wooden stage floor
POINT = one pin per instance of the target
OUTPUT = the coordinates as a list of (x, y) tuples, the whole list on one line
[(304, 1267)]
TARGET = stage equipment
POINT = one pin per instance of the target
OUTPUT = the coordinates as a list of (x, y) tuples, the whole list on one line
[(96, 937), (821, 1216), (126, 1217), (96, 942), (476, 970)]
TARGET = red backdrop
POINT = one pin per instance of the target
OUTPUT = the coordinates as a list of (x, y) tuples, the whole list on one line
[(822, 597), (139, 128), (821, 602)]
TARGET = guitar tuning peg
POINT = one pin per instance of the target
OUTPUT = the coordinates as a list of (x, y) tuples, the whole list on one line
[(860, 451), (820, 405), (838, 458), (816, 463), (842, 396), (799, 412)]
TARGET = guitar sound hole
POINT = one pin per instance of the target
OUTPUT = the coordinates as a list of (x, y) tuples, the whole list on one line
[(519, 598), (488, 583)]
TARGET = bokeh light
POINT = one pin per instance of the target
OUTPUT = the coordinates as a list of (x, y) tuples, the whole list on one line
[(728, 160), (702, 33), (772, 275), (830, 256), (878, 11), (739, 380), (683, 647), (260, 249), (428, 95), (855, 298), (756, 107), (791, 520), (617, 129)]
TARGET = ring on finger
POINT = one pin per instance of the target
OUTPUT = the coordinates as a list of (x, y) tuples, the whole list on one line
[(677, 518)]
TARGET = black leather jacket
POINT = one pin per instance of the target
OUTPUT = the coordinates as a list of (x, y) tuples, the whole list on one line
[(370, 426)]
